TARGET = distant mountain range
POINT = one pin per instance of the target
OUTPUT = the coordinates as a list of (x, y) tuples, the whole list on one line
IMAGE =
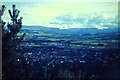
[(70, 30)]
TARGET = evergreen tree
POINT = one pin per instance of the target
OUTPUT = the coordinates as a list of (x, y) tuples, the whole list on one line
[(11, 43)]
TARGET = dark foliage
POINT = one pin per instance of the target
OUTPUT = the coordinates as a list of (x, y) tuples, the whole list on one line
[(11, 43)]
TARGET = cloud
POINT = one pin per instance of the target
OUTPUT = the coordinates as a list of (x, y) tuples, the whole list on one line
[(86, 21), (66, 14)]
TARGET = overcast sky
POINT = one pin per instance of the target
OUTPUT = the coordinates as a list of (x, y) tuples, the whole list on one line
[(67, 14)]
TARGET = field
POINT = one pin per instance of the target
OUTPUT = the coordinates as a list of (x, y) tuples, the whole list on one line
[(57, 53)]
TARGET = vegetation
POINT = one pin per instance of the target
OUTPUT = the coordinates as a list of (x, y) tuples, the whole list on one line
[(55, 53), (78, 55), (11, 43)]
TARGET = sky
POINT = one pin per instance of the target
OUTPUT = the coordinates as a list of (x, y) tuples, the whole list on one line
[(67, 14), (60, 0)]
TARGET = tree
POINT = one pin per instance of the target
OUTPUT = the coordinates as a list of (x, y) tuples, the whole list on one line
[(10, 40)]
